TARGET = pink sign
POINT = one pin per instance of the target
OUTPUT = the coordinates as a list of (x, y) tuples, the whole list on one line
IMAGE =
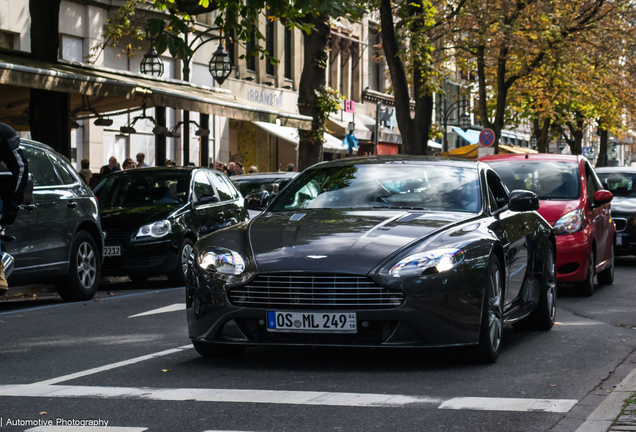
[(350, 106)]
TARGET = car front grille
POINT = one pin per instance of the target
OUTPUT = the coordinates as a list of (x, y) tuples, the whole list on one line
[(117, 236), (621, 224), (315, 291)]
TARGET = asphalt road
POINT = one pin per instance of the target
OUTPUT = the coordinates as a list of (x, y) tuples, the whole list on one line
[(96, 361)]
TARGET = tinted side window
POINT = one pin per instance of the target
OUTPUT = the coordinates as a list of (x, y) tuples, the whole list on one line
[(235, 193), (202, 186), (497, 191), (593, 183), (225, 194), (41, 168), (67, 177)]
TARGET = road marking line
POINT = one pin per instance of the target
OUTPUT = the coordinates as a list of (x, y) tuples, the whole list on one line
[(510, 404), (84, 429), (579, 323), (171, 308), (218, 395), (113, 365), (282, 397)]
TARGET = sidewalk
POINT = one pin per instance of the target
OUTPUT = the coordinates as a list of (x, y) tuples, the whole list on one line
[(627, 420)]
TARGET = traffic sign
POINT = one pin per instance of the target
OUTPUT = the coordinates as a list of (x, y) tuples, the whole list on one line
[(350, 106), (487, 137)]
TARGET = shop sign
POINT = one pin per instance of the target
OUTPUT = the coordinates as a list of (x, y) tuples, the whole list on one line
[(266, 98)]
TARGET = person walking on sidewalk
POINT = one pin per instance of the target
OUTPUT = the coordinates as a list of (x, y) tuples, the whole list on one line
[(13, 187)]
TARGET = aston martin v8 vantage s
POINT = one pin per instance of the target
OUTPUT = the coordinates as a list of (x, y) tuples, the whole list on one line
[(377, 252)]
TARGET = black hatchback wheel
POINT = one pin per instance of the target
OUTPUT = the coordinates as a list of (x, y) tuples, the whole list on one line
[(82, 281), (180, 273), (491, 330)]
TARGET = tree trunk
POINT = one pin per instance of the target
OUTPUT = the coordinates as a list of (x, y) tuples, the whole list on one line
[(313, 79), (601, 161), (542, 133), (414, 131), (49, 111), (576, 131)]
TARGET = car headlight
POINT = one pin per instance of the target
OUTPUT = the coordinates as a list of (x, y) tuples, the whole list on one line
[(569, 223), (435, 261), (222, 260), (156, 229)]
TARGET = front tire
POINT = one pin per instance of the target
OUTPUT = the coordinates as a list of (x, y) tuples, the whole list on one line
[(491, 329), (606, 277), (209, 350), (82, 281), (586, 288), (543, 316), (180, 274)]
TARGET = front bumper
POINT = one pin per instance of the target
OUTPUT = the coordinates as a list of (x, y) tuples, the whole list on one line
[(625, 234), (142, 258), (573, 254), (440, 310)]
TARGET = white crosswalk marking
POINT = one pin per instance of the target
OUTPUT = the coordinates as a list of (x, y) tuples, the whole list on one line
[(171, 308), (510, 404)]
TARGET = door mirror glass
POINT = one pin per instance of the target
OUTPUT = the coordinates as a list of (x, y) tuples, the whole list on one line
[(602, 197), (523, 200), (257, 201)]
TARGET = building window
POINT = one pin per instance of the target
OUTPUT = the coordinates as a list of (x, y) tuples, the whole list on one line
[(269, 45), (6, 40), (251, 62), (72, 48), (377, 68), (288, 53)]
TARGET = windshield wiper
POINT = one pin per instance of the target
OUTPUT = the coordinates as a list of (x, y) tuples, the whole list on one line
[(401, 208)]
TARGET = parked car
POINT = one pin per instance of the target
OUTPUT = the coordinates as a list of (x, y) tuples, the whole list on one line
[(151, 217), (621, 181), (254, 186), (573, 201), (377, 252), (58, 235)]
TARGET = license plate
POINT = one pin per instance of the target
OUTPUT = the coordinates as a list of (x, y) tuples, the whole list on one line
[(312, 322), (619, 241), (110, 251)]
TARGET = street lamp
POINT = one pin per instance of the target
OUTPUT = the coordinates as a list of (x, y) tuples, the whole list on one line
[(152, 64), (533, 143), (561, 143), (444, 112), (220, 64)]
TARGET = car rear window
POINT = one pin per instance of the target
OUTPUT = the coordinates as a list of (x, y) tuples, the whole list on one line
[(548, 179), (621, 184)]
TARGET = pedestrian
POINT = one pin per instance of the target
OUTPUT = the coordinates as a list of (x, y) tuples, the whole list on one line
[(238, 168), (253, 170), (170, 163), (129, 164), (230, 169), (291, 167), (111, 167), (85, 172), (218, 165), (13, 187), (140, 160)]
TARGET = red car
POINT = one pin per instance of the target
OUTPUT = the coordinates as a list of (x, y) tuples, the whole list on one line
[(573, 201)]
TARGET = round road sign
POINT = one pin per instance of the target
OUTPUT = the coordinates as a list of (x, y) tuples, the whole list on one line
[(487, 137)]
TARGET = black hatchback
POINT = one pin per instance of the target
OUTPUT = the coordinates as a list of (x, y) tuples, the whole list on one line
[(151, 217), (57, 235)]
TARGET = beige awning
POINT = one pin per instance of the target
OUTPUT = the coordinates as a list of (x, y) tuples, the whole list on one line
[(110, 90)]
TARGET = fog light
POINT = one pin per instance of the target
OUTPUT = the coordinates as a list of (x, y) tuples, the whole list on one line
[(365, 324)]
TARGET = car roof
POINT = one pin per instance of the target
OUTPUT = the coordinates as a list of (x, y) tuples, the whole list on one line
[(275, 174), (531, 157), (399, 159), (616, 170), (37, 144)]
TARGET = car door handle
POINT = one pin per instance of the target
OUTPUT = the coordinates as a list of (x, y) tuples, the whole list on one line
[(29, 207), (71, 204)]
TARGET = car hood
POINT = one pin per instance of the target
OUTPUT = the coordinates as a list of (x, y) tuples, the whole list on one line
[(134, 217), (623, 205), (339, 241), (552, 210)]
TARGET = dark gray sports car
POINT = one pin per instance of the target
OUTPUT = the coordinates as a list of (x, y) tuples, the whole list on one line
[(377, 252)]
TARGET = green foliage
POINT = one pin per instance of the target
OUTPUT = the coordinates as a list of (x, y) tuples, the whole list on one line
[(327, 101)]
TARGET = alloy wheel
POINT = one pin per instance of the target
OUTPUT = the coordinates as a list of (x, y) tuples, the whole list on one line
[(550, 280), (495, 325), (86, 265), (185, 256)]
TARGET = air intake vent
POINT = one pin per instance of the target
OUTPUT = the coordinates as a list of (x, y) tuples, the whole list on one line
[(315, 291)]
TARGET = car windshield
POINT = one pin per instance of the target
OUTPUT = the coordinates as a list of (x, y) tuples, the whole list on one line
[(432, 187), (136, 188), (620, 184), (548, 179), (273, 185)]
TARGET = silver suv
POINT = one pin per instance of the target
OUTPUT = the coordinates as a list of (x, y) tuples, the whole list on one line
[(58, 235)]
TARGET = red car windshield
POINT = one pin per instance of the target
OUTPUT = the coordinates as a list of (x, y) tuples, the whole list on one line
[(548, 179)]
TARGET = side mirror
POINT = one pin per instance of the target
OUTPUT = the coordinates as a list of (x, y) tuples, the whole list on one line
[(257, 200), (207, 199), (602, 197), (28, 193), (523, 200)]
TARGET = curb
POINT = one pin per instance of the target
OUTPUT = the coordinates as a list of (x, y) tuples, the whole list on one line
[(604, 416)]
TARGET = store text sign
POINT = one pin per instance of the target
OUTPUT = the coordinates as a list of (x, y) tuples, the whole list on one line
[(265, 98)]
